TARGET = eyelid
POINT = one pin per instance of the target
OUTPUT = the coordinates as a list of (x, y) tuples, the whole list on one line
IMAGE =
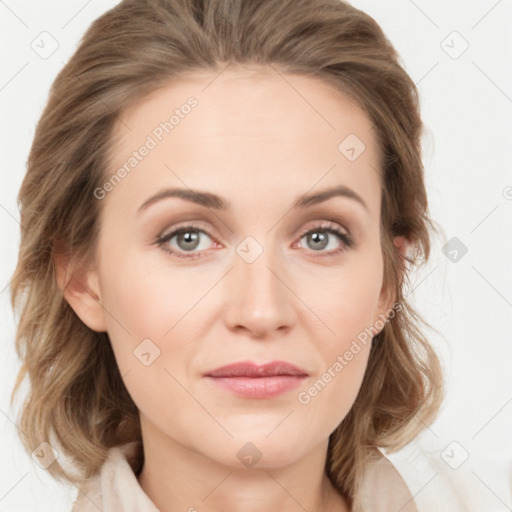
[(332, 227), (192, 225), (325, 224)]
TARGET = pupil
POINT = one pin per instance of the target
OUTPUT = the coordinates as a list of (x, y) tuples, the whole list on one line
[(190, 237), (319, 237)]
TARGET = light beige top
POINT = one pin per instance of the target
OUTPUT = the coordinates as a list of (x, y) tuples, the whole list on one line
[(412, 480)]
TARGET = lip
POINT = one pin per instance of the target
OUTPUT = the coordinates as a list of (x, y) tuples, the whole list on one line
[(258, 381), (250, 369)]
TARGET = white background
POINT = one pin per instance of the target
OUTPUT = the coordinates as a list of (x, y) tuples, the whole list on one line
[(467, 109)]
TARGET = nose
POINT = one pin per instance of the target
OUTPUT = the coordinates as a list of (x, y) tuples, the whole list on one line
[(258, 297)]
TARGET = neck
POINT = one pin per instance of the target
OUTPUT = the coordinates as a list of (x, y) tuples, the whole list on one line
[(205, 485)]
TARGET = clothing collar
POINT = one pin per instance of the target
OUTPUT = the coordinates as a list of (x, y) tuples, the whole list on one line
[(117, 489)]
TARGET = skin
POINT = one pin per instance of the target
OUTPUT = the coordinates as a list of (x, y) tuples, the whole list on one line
[(259, 141)]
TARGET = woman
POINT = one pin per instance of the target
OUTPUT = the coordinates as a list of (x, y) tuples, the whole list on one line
[(269, 363)]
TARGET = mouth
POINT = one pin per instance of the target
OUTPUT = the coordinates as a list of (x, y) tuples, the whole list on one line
[(258, 381)]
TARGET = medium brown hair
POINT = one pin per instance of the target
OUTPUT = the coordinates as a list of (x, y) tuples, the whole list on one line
[(77, 398)]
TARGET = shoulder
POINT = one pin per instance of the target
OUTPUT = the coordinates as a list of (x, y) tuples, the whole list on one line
[(383, 488), (438, 474), (89, 498), (115, 488)]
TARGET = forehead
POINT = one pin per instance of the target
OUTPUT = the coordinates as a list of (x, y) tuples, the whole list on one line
[(256, 102), (255, 125)]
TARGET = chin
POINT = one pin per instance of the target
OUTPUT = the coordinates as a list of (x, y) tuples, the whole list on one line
[(264, 451)]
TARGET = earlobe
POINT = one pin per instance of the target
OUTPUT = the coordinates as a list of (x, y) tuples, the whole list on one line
[(80, 288), (402, 244)]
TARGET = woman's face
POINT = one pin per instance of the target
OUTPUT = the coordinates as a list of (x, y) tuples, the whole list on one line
[(244, 281)]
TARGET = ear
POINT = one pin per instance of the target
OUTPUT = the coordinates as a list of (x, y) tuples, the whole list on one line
[(80, 287), (402, 244), (387, 300)]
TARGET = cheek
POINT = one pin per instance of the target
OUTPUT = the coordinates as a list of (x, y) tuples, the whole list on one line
[(349, 304), (146, 324), (331, 394), (143, 295), (346, 372), (152, 318), (141, 303)]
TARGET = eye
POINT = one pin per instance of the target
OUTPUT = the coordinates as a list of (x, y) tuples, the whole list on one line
[(188, 239), (322, 236)]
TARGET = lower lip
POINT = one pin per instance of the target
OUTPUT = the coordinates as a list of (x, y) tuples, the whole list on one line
[(259, 387)]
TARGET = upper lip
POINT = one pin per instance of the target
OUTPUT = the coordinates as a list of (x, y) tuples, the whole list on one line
[(250, 369)]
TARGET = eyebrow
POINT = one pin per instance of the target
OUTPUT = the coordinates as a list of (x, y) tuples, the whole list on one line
[(216, 202)]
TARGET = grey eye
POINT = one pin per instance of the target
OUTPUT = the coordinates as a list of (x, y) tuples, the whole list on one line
[(318, 240), (188, 240)]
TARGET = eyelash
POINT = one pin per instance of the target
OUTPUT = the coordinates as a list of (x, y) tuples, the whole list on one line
[(327, 227)]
